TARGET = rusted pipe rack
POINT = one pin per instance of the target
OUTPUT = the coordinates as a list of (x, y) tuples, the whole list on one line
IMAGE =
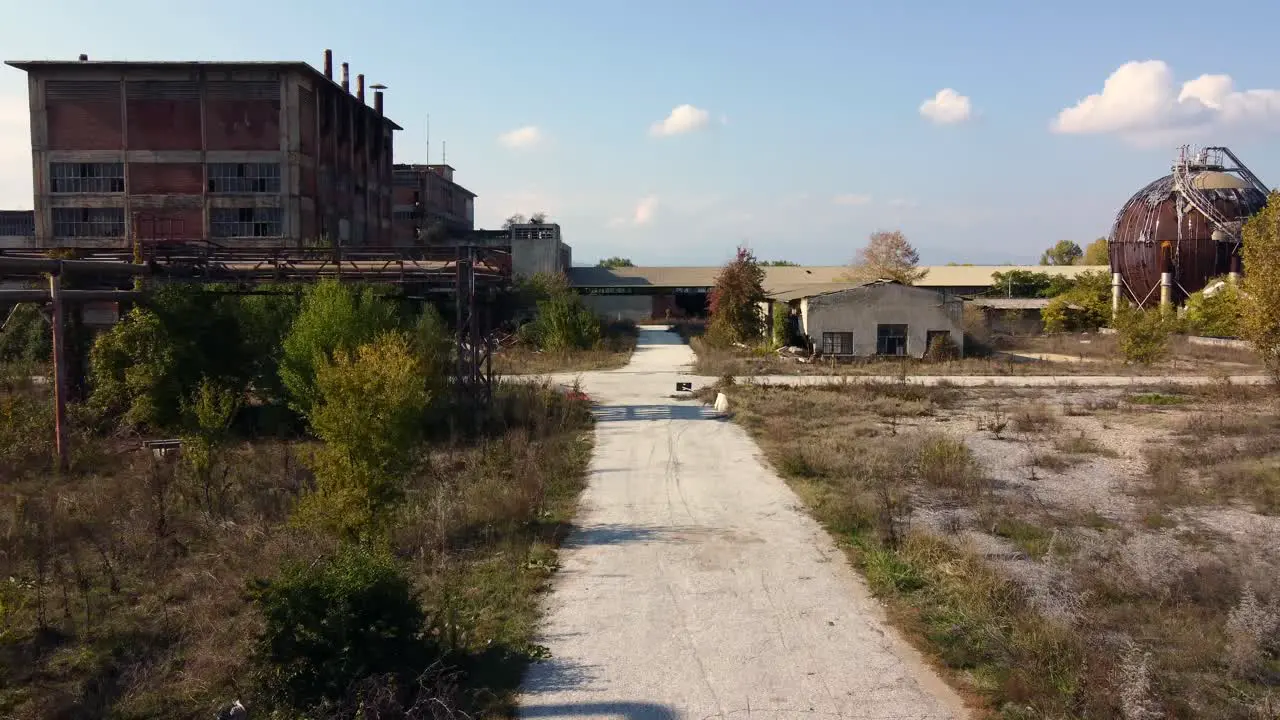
[(471, 275)]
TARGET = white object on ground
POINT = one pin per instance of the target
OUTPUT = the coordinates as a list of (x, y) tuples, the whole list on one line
[(695, 586), (722, 403)]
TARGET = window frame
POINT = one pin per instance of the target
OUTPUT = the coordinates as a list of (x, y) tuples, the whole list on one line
[(88, 222), (835, 341), (887, 338), (246, 223), (252, 178), (89, 178)]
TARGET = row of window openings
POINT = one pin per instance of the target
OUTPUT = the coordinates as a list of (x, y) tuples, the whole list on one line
[(109, 177), (223, 222), (890, 340)]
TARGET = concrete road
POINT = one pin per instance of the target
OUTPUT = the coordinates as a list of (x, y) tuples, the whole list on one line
[(695, 586)]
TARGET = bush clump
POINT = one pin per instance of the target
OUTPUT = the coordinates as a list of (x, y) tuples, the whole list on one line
[(1143, 335), (331, 624), (1216, 313)]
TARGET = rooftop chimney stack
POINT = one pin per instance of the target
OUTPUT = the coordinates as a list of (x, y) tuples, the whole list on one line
[(346, 78), (84, 58), (377, 101), (360, 87), (328, 64)]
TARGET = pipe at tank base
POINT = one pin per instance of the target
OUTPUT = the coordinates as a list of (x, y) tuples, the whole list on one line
[(1166, 291), (1116, 285)]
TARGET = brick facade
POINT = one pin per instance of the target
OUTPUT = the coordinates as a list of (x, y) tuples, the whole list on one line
[(244, 154)]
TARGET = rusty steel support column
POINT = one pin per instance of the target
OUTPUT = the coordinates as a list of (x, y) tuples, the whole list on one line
[(59, 373)]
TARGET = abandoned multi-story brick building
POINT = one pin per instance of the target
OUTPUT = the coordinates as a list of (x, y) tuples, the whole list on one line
[(429, 206), (236, 154)]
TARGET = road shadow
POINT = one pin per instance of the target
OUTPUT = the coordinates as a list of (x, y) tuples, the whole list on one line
[(612, 535), (556, 675), (626, 413), (651, 338), (622, 710)]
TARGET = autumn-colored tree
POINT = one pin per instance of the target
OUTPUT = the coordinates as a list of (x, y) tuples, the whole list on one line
[(734, 311), (1063, 252), (1097, 253), (1260, 316), (887, 256)]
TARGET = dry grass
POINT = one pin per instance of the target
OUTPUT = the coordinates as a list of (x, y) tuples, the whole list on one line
[(614, 351), (1070, 354), (1045, 610), (126, 592)]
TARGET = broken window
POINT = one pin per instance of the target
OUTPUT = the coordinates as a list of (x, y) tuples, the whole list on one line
[(244, 177), (88, 222), (98, 177), (837, 343), (891, 339), (262, 222)]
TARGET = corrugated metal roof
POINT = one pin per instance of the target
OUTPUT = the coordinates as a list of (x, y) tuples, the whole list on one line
[(788, 279)]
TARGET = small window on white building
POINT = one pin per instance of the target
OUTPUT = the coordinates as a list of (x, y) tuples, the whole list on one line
[(837, 343)]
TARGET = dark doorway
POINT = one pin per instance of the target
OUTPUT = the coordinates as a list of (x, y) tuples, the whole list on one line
[(692, 304), (891, 339)]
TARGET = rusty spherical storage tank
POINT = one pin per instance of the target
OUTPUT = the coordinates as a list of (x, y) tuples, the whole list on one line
[(1193, 216)]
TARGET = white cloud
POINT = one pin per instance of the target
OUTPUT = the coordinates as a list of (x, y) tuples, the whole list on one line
[(947, 107), (683, 119), (521, 138), (15, 153), (851, 199), (1142, 102), (643, 213)]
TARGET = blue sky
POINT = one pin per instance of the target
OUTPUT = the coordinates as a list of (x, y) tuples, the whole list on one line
[(805, 131)]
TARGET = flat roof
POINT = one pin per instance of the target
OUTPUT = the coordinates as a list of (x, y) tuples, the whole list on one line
[(791, 279), (294, 65)]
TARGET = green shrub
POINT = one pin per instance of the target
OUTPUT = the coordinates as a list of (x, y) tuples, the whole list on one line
[(1143, 335), (332, 317), (1086, 306), (781, 324), (135, 372), (1216, 315), (26, 336), (563, 323), (329, 625), (369, 411), (735, 316)]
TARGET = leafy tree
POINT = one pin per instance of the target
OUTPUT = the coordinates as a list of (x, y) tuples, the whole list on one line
[(615, 262), (1063, 252), (332, 317), (1216, 313), (734, 313), (1260, 316), (135, 372), (1097, 253), (329, 624), (1143, 335), (434, 346), (537, 218), (24, 334), (369, 410), (888, 256), (779, 263), (1087, 306), (1028, 284), (563, 323)]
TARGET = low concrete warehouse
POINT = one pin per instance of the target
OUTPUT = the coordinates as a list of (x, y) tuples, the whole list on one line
[(877, 318)]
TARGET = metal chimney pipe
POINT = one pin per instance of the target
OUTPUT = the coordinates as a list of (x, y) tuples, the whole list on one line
[(346, 78), (377, 101), (328, 64), (360, 87)]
